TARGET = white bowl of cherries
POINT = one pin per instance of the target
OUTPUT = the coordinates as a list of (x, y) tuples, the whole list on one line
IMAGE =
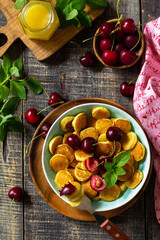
[(118, 43)]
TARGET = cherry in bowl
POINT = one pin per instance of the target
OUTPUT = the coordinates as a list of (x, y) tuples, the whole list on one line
[(97, 183), (92, 164), (114, 134)]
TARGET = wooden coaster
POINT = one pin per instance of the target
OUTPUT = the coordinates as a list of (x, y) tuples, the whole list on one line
[(41, 49), (42, 186)]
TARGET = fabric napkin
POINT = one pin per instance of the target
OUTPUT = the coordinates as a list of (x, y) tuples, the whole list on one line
[(146, 100)]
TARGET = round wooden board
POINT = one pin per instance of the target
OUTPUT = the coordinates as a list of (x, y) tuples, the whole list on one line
[(35, 165)]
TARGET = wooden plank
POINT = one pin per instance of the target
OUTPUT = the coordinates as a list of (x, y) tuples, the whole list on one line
[(152, 225)]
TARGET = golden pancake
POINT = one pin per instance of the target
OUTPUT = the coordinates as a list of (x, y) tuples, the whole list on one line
[(79, 122), (88, 190), (63, 177), (129, 173), (135, 180), (123, 124), (66, 124), (102, 125), (66, 150), (54, 142), (59, 162), (89, 132), (81, 173), (138, 151), (102, 138), (100, 112), (110, 194), (128, 140), (104, 149), (82, 156)]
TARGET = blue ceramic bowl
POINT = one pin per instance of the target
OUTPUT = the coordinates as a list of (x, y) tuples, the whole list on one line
[(116, 112)]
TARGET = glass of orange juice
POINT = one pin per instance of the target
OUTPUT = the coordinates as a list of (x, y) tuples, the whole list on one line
[(39, 19)]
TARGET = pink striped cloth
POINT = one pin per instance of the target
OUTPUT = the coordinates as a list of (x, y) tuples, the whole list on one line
[(146, 100)]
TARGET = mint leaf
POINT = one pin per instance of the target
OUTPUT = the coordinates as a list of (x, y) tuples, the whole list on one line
[(122, 158), (72, 14), (14, 124), (119, 171), (110, 178), (34, 85), (78, 4), (18, 64), (14, 71), (4, 92), (10, 105), (6, 63), (1, 103), (109, 166), (18, 89), (20, 4), (84, 19), (3, 130), (3, 75), (97, 4)]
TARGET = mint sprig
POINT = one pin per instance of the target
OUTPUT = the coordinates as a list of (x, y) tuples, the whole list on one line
[(19, 4), (72, 12), (115, 168), (11, 81)]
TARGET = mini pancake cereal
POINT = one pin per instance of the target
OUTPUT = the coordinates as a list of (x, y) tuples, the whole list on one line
[(80, 164)]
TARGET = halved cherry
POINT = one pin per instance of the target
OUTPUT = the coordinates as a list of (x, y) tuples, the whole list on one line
[(97, 183), (92, 164), (67, 189)]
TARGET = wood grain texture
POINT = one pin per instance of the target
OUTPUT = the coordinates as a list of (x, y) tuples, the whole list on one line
[(41, 49), (64, 74)]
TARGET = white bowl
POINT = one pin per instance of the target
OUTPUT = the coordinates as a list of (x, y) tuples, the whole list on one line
[(144, 165)]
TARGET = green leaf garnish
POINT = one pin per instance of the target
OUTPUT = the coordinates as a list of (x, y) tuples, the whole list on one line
[(20, 4), (96, 4), (34, 85), (10, 105), (115, 168)]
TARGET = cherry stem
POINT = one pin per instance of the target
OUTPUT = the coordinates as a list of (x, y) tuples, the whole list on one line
[(92, 37), (118, 8), (114, 147), (139, 38), (78, 46), (132, 81), (91, 168), (10, 210), (50, 106), (32, 140), (113, 40)]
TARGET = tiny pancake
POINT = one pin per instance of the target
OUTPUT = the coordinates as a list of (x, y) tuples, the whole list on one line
[(88, 190), (91, 122), (123, 124), (89, 132), (63, 177), (66, 135), (102, 138), (138, 151), (135, 180), (66, 124), (77, 203), (129, 173), (100, 112), (131, 160), (66, 150), (102, 125), (128, 140), (54, 142), (78, 196), (79, 122), (77, 185), (110, 194), (117, 148), (73, 163), (104, 149), (122, 186), (71, 171), (58, 162), (82, 156), (81, 172)]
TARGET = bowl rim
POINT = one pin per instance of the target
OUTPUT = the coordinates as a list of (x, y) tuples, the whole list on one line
[(134, 119), (141, 50)]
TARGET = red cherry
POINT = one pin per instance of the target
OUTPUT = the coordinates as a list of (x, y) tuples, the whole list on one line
[(87, 145), (97, 183), (44, 129), (67, 189), (105, 44), (92, 164), (54, 98), (127, 57), (105, 30), (16, 193), (114, 134), (127, 89), (74, 141), (128, 26), (119, 47), (119, 36), (130, 41), (110, 57), (32, 117), (87, 60)]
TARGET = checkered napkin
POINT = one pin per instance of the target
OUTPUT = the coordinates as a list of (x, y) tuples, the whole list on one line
[(146, 100)]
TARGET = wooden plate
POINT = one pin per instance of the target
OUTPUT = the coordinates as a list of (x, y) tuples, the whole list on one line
[(42, 186), (41, 49)]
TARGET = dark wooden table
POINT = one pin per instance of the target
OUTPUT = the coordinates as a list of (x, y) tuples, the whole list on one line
[(64, 74)]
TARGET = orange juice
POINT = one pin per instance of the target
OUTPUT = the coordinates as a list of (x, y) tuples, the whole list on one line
[(39, 19)]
